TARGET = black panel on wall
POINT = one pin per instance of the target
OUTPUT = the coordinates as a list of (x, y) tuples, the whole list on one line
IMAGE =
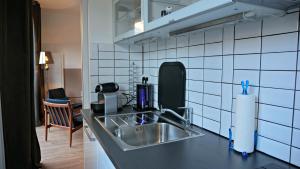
[(20, 141)]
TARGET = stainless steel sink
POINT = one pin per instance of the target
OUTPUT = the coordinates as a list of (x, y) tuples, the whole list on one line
[(150, 134), (137, 130)]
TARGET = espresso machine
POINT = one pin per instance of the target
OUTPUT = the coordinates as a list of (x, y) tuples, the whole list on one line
[(107, 99)]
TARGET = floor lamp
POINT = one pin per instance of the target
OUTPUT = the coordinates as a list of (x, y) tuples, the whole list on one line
[(45, 60)]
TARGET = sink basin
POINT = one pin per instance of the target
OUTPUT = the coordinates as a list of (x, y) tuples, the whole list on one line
[(138, 130), (150, 134)]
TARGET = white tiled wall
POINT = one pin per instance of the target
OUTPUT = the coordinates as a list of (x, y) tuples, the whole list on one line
[(265, 52)]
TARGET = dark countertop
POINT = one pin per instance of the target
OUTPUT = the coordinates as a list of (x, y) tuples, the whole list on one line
[(206, 152)]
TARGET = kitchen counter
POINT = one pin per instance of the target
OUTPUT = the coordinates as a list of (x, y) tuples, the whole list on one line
[(205, 152)]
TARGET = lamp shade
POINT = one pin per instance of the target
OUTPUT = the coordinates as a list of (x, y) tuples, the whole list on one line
[(42, 60)]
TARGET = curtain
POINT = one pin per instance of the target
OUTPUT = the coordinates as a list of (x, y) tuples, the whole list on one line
[(16, 85), (38, 71)]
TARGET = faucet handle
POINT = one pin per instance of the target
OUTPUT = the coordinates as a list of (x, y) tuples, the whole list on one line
[(188, 114)]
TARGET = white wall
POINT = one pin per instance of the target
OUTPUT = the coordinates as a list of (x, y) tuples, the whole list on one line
[(61, 34), (96, 24)]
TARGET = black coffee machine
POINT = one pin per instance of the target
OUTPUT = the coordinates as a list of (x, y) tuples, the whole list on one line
[(144, 96), (107, 98)]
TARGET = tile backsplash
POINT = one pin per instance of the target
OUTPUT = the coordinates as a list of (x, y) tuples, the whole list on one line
[(265, 52)]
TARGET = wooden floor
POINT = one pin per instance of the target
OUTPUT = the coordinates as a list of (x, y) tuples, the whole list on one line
[(56, 153)]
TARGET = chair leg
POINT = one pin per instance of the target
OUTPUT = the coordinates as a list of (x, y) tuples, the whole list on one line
[(46, 132), (70, 138), (46, 125)]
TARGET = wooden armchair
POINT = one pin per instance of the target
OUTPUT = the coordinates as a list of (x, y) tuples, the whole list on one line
[(61, 115)]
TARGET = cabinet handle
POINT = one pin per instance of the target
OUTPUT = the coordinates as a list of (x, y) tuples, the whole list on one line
[(85, 128)]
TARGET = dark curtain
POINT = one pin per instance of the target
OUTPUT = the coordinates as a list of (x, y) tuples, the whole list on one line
[(16, 85), (38, 71)]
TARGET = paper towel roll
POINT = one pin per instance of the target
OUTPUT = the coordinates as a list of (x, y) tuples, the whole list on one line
[(245, 123)]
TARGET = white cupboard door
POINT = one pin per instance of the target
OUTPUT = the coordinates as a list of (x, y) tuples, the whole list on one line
[(103, 160), (90, 148)]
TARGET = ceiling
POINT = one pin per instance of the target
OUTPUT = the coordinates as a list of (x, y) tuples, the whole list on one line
[(60, 4)]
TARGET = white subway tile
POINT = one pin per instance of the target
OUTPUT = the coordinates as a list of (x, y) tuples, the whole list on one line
[(106, 71), (153, 63), (185, 62), (196, 74), (228, 40), (161, 54), (171, 53), (122, 71), (93, 83), (106, 47), (153, 55), (95, 51), (196, 51), (171, 42), (248, 29), (213, 49), (295, 156), (196, 37), (298, 81), (106, 79), (122, 48), (196, 62), (211, 113), (121, 63), (136, 56), (93, 97), (93, 67), (296, 138), (214, 35), (245, 46), (227, 69), (298, 64), (122, 55), (211, 125), (122, 79), (195, 97), (182, 52), (251, 75), (212, 88), (251, 61), (226, 96), (280, 43), (213, 75), (297, 101), (197, 120), (278, 97), (278, 79), (297, 119), (196, 85), (279, 61), (153, 46), (225, 123), (136, 48), (274, 148), (106, 55), (161, 44), (211, 100), (182, 40), (276, 25), (154, 71), (275, 114), (106, 63), (197, 108), (213, 62)]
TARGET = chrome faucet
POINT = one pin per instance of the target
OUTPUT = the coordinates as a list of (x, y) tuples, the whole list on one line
[(187, 117)]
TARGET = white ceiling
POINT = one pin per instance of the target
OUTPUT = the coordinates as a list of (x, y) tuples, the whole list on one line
[(59, 4)]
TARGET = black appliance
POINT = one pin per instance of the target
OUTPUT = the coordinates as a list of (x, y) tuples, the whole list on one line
[(144, 95)]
